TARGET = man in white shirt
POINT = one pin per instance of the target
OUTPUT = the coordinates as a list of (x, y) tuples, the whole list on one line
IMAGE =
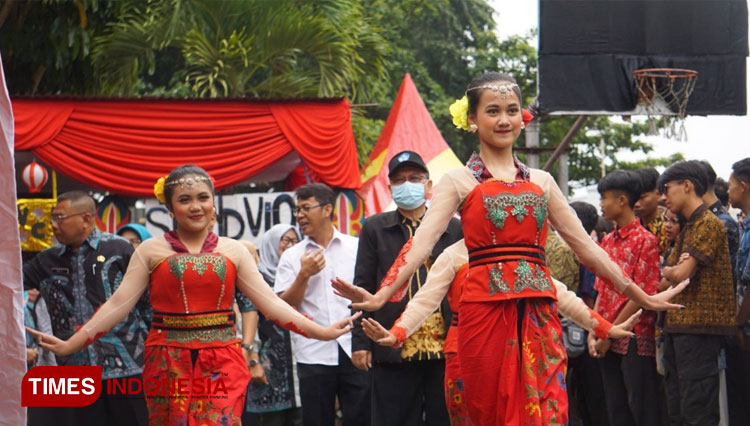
[(303, 279)]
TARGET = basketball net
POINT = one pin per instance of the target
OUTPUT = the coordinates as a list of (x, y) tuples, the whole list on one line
[(663, 95)]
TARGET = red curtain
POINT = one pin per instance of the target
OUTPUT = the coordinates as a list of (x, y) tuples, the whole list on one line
[(123, 146)]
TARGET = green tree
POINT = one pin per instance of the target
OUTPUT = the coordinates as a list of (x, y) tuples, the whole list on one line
[(438, 42), (205, 48), (46, 45)]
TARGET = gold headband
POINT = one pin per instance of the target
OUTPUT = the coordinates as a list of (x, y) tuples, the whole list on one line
[(503, 89), (187, 181)]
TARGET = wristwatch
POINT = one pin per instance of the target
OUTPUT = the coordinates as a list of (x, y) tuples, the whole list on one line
[(253, 362), (248, 346)]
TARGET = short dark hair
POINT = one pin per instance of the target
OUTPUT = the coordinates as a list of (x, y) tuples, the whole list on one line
[(710, 173), (180, 172), (741, 170), (685, 170), (322, 193), (79, 198), (623, 181), (649, 176), (486, 78), (721, 188), (603, 227), (587, 214)]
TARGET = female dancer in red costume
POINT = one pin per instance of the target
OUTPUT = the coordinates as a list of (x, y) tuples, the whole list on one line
[(446, 278), (191, 274), (509, 341)]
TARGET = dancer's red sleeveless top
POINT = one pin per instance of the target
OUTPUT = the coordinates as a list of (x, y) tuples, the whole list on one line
[(505, 229)]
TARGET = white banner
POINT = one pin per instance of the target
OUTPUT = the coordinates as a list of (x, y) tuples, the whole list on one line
[(241, 216)]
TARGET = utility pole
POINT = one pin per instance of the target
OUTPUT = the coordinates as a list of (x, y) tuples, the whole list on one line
[(532, 141)]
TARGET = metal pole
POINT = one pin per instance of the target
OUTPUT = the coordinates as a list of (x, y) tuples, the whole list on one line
[(532, 141), (563, 146), (562, 174)]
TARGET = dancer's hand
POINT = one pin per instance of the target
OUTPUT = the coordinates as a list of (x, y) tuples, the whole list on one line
[(361, 298), (338, 328), (378, 333), (660, 301), (623, 329), (51, 343)]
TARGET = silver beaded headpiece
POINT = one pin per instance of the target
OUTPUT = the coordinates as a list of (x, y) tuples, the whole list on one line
[(187, 181), (503, 89)]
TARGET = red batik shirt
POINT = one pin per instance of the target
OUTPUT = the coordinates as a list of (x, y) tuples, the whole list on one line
[(636, 250)]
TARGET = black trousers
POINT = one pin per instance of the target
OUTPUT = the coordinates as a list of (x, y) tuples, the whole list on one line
[(630, 388), (319, 386), (586, 402), (691, 379), (115, 410), (738, 384), (409, 394)]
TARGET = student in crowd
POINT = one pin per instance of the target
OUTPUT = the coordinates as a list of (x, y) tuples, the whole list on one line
[(738, 352), (717, 208), (647, 207), (627, 365), (693, 336)]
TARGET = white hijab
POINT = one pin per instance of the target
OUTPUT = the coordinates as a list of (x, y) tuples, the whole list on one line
[(269, 251)]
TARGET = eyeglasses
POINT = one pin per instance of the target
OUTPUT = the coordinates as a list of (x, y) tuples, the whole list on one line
[(305, 209), (59, 217), (412, 179), (289, 241)]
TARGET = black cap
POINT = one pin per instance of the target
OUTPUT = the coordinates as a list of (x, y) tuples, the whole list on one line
[(406, 159)]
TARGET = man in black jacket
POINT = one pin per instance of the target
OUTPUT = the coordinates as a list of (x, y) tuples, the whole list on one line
[(407, 383)]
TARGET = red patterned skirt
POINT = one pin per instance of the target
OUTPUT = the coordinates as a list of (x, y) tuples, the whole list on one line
[(455, 399), (210, 393), (507, 383)]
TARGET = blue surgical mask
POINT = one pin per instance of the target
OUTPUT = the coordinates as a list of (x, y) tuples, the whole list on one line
[(408, 195)]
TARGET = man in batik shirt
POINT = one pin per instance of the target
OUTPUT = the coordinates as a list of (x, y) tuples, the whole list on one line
[(627, 365), (75, 277), (647, 207), (693, 337)]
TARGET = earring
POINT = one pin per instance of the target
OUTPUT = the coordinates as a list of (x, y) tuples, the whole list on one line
[(171, 215), (473, 128), (523, 126)]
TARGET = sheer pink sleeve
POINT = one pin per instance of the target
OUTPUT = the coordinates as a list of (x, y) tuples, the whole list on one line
[(252, 285), (447, 197), (565, 221), (437, 285), (134, 283), (573, 308)]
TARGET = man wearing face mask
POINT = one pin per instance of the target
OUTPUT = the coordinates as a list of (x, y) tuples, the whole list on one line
[(418, 366)]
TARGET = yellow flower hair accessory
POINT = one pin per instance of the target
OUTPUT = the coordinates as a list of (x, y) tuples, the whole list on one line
[(159, 190), (459, 111)]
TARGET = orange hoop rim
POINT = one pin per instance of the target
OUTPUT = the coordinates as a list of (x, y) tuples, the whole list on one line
[(673, 73)]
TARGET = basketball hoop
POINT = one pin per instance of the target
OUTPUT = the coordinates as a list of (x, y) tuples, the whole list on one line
[(665, 92)]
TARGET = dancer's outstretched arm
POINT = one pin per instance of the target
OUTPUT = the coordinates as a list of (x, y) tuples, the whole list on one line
[(565, 221), (447, 197)]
